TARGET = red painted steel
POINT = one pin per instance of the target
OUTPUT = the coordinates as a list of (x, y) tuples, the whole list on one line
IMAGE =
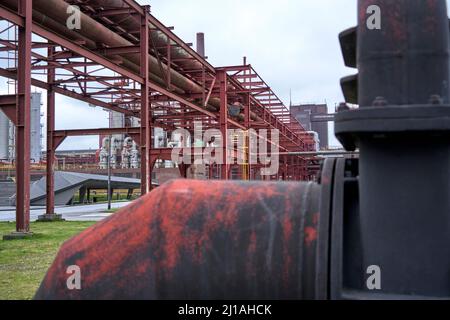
[(50, 183), (146, 129), (223, 123), (23, 120)]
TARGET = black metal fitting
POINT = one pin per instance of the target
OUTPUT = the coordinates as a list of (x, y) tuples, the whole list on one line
[(398, 215)]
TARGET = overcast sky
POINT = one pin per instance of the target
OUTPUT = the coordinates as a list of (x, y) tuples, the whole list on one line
[(292, 44)]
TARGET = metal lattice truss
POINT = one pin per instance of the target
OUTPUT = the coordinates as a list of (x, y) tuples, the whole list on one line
[(123, 59)]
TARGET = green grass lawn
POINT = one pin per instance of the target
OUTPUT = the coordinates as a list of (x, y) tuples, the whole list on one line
[(23, 263)]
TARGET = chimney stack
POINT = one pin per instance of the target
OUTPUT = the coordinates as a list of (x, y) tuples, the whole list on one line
[(201, 44)]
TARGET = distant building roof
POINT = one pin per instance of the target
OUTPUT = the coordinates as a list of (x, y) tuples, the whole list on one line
[(68, 183), (93, 151)]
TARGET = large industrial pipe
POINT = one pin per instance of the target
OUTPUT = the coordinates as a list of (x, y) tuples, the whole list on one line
[(159, 39), (56, 10), (199, 240)]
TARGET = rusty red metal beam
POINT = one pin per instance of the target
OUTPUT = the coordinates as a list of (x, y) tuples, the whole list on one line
[(223, 85), (23, 110), (99, 131), (146, 129), (8, 104), (50, 183), (43, 85), (85, 53)]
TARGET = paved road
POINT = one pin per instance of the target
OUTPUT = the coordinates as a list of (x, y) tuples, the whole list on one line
[(95, 212)]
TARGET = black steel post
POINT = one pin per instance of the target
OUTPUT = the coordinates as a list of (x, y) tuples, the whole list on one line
[(401, 129)]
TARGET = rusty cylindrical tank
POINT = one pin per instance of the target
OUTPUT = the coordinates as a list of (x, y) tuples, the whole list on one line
[(202, 240)]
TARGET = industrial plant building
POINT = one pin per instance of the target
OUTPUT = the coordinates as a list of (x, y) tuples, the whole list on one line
[(7, 133), (305, 113)]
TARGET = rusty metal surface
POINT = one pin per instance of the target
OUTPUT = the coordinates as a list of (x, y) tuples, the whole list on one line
[(198, 240)]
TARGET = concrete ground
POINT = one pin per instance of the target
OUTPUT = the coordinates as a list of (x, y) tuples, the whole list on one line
[(94, 212)]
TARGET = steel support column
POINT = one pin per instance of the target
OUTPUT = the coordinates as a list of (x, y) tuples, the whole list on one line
[(222, 76), (23, 119), (146, 141), (247, 111), (50, 138), (285, 169)]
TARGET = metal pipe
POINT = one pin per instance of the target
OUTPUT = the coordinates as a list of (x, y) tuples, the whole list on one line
[(260, 242), (53, 15), (320, 153), (158, 38)]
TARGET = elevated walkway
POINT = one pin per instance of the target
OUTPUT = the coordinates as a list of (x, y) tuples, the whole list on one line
[(7, 192), (67, 184)]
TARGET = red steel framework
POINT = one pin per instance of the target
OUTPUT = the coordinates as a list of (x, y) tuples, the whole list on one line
[(123, 59)]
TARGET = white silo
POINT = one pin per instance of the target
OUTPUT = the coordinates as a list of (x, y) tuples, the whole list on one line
[(4, 137), (117, 120), (12, 144), (134, 122), (36, 128), (35, 132)]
